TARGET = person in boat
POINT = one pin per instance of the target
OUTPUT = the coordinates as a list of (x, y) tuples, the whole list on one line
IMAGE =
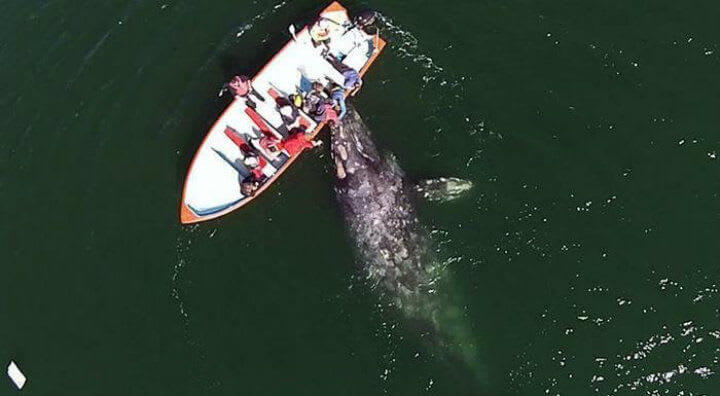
[(330, 114), (352, 79), (255, 165), (325, 112), (288, 109), (318, 105), (322, 30), (337, 94), (297, 142), (249, 186), (241, 87), (251, 183), (314, 99), (365, 22), (270, 144), (365, 19)]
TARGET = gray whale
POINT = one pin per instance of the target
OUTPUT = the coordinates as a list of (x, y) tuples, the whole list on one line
[(375, 199), (393, 246)]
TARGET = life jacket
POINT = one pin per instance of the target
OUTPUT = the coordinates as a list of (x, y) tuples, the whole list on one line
[(297, 100)]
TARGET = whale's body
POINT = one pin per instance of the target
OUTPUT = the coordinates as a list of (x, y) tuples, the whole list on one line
[(393, 246), (376, 202)]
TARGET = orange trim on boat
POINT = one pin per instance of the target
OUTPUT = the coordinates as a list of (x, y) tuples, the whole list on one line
[(186, 215), (334, 7)]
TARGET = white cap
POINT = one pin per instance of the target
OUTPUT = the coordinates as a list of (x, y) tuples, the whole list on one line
[(287, 111), (251, 161)]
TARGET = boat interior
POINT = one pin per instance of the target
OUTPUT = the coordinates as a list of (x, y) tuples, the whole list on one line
[(218, 169)]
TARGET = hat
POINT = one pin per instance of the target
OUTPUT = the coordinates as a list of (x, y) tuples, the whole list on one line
[(251, 161), (287, 111)]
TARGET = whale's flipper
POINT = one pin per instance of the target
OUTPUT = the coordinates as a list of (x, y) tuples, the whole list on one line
[(443, 189)]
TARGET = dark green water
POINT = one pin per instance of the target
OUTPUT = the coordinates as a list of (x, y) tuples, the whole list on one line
[(586, 260)]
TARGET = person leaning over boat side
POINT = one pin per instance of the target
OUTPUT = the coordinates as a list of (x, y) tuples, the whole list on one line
[(337, 94), (297, 142), (352, 79)]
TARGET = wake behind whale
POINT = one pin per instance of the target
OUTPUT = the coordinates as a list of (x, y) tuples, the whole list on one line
[(392, 244)]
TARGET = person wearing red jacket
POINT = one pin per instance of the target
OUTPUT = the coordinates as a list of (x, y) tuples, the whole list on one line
[(296, 143)]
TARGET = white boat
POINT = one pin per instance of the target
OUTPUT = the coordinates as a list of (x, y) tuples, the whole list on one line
[(212, 184)]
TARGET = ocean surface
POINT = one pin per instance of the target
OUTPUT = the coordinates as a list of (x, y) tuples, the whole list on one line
[(585, 261)]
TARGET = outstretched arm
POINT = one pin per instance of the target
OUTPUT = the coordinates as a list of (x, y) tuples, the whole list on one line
[(343, 109)]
